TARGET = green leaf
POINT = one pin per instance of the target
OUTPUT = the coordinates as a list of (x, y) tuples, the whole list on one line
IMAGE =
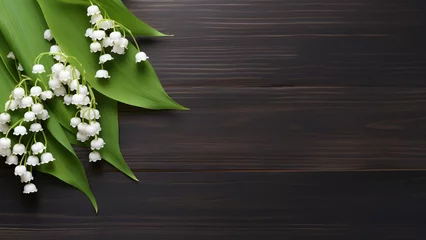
[(8, 63), (68, 168), (23, 25), (112, 153), (7, 84), (131, 83), (119, 12)]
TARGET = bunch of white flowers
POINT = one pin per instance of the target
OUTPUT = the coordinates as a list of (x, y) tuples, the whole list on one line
[(67, 82), (24, 148), (108, 34)]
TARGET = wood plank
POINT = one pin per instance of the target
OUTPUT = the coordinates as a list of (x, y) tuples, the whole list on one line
[(252, 43), (313, 129), (353, 205)]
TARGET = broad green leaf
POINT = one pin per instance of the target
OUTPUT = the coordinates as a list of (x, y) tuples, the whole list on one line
[(68, 168), (23, 25), (7, 84), (119, 12), (8, 63), (131, 83), (112, 153)]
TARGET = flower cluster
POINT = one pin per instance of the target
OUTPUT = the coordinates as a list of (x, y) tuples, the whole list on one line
[(24, 142), (66, 81), (108, 35)]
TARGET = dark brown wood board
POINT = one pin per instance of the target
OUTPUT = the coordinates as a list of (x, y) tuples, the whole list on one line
[(307, 121)]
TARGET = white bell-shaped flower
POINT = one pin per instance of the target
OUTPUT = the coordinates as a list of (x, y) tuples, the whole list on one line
[(61, 91), (37, 148), (12, 160), (78, 99), (57, 67), (54, 83), (141, 57), (19, 102), (5, 142), (33, 161), (38, 68), (98, 35), (82, 127), (95, 47), (93, 10), (5, 152), (95, 156), (29, 117), (11, 55), (20, 131), (19, 170), (30, 188), (48, 35), (86, 101), (68, 99), (96, 18), (18, 93), (73, 85), (27, 102), (93, 129), (83, 90), (27, 177), (87, 113), (75, 121), (20, 68), (11, 105), (97, 144), (4, 128), (43, 115), (55, 49), (106, 24), (64, 76), (107, 42), (89, 33), (37, 108), (36, 127), (115, 36), (19, 149), (118, 50), (97, 125), (4, 118), (82, 137), (35, 91), (102, 74), (46, 95), (124, 43), (105, 58), (46, 158)]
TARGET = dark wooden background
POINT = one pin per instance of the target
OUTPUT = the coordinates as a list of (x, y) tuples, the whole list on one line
[(308, 121)]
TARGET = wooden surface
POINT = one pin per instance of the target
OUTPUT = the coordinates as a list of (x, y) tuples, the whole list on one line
[(307, 121)]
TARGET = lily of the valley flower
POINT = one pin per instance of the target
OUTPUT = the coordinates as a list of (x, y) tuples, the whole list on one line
[(102, 74)]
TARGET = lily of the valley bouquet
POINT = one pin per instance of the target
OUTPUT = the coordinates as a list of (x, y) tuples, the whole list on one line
[(64, 65)]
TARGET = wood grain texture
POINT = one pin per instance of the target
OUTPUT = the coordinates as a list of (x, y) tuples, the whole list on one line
[(222, 206), (316, 129), (307, 121), (255, 43)]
